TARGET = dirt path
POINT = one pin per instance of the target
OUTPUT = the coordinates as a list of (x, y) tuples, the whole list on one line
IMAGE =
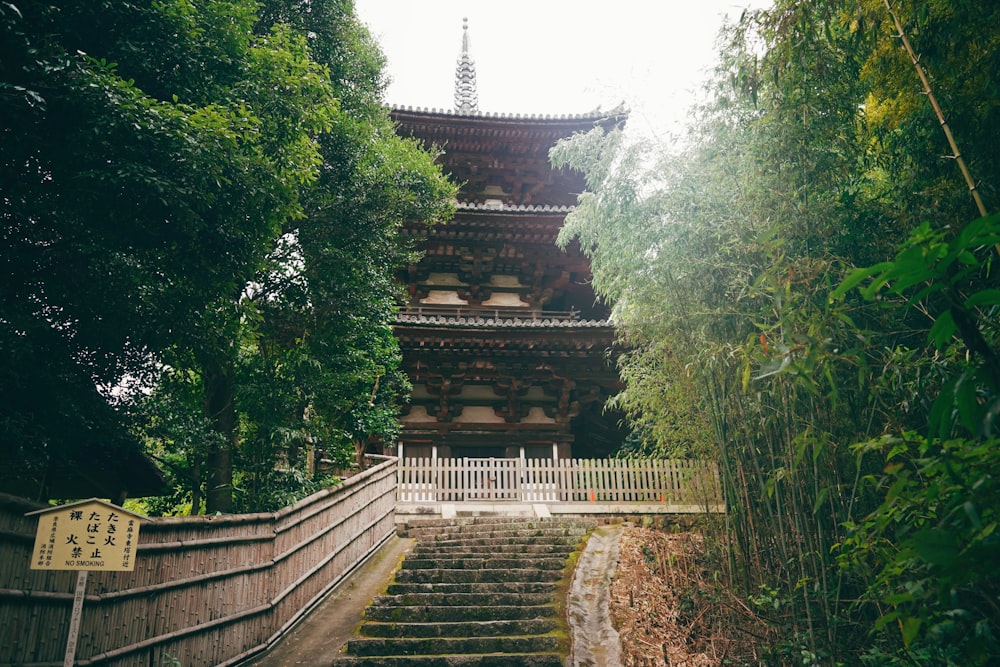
[(319, 637)]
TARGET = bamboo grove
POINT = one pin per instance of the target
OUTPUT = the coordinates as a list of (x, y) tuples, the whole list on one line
[(808, 292)]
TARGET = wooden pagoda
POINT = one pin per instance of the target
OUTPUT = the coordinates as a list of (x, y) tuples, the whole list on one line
[(508, 349)]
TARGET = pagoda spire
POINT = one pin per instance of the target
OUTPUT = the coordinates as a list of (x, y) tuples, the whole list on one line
[(466, 98)]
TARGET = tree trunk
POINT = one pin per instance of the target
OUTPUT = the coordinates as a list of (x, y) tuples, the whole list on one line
[(218, 406), (360, 445), (195, 488)]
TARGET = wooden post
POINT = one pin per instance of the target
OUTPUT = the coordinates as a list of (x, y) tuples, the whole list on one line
[(75, 618)]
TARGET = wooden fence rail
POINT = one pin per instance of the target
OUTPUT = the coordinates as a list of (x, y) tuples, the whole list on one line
[(437, 480), (205, 591), (210, 591)]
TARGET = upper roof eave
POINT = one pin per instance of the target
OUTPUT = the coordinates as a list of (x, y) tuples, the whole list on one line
[(583, 120), (456, 323)]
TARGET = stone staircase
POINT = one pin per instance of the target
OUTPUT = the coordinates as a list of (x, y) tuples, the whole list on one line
[(482, 592)]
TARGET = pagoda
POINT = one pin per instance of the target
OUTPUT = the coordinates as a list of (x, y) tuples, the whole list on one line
[(509, 351)]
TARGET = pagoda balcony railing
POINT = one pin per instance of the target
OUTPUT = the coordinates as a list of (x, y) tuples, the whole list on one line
[(488, 313)]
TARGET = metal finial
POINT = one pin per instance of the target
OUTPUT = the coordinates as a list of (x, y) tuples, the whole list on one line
[(466, 98)]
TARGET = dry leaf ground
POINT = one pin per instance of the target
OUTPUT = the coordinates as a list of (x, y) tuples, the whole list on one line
[(670, 608)]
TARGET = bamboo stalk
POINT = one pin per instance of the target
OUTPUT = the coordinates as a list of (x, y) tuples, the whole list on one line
[(956, 154)]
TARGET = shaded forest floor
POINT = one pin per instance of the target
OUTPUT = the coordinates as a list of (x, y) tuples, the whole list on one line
[(670, 608)]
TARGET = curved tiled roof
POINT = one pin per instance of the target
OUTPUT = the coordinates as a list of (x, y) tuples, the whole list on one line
[(596, 114), (508, 208), (510, 151), (501, 322)]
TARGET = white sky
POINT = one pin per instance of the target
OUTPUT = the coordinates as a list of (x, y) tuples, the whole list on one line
[(554, 56)]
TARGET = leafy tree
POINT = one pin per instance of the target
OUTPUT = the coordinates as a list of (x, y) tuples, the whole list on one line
[(298, 362), (178, 436), (149, 155), (204, 196)]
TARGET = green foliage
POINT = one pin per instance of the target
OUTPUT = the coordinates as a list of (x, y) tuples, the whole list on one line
[(178, 436), (146, 164), (931, 548), (317, 370), (932, 542), (314, 366), (272, 489), (730, 263), (950, 278), (208, 191)]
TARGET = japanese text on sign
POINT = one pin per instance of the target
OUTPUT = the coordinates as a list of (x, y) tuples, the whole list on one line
[(92, 535)]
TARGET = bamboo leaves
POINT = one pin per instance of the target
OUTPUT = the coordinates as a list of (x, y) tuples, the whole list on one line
[(949, 277), (928, 542), (780, 261), (935, 258)]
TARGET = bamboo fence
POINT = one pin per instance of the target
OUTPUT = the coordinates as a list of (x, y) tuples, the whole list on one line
[(205, 591), (615, 481)]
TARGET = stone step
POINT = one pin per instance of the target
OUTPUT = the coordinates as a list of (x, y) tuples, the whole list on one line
[(520, 548), (466, 521), (474, 592), (481, 563), (454, 576), (522, 529), (523, 533), (531, 626), (567, 542), (483, 587), (461, 599), (372, 646), (494, 660), (498, 525), (452, 613)]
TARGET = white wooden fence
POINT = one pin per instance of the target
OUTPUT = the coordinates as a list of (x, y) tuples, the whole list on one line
[(619, 481)]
